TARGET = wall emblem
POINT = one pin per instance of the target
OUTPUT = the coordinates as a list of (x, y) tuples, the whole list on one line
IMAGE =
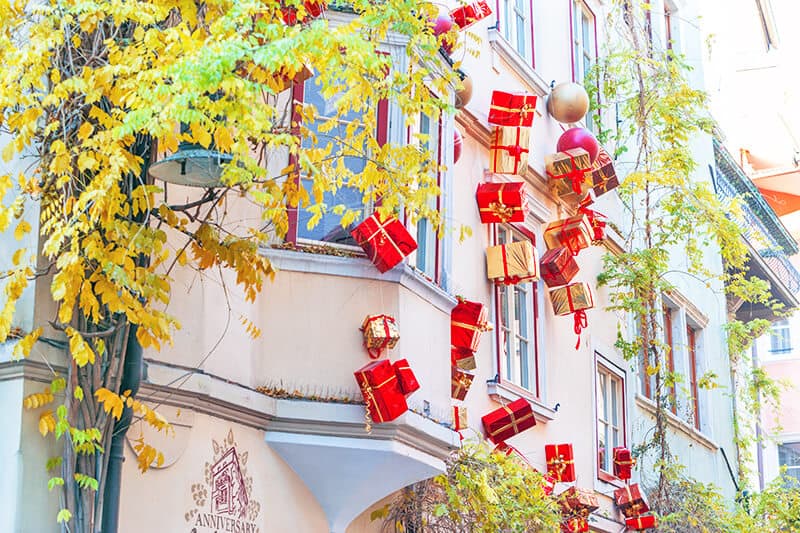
[(224, 498)]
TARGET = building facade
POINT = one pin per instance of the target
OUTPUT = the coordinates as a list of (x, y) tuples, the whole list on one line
[(270, 433)]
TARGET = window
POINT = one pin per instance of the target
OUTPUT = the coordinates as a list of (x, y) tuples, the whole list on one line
[(516, 332), (426, 258), (691, 347), (670, 353), (779, 339), (584, 49), (789, 457), (329, 229), (668, 26), (516, 25), (610, 415)]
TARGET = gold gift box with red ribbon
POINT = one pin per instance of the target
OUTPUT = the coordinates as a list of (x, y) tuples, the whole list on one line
[(571, 298), (578, 501), (380, 333), (631, 500), (560, 461), (512, 109), (512, 263), (574, 233), (501, 202), (570, 172), (460, 382), (460, 420), (508, 420), (467, 15), (381, 391), (508, 153), (385, 241), (642, 522)]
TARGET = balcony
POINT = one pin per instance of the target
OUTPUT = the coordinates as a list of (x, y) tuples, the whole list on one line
[(768, 241)]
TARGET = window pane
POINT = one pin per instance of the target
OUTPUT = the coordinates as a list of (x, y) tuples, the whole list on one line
[(614, 405), (507, 19)]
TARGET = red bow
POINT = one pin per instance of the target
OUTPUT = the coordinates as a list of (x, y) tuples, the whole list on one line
[(576, 175), (596, 220)]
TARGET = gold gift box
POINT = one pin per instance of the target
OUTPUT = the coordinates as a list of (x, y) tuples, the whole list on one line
[(380, 331), (459, 417), (573, 233), (561, 164), (509, 150), (515, 262), (575, 297)]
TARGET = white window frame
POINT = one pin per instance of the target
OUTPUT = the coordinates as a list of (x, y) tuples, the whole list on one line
[(780, 331), (609, 417), (511, 15), (791, 470)]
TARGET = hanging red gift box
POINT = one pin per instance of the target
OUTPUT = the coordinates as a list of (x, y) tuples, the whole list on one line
[(623, 462), (462, 358), (604, 176), (548, 483), (642, 522), (467, 15), (508, 420), (631, 500), (313, 9), (405, 377), (578, 501), (570, 172), (575, 524), (467, 323), (560, 462), (508, 152), (512, 109), (512, 263), (380, 333), (381, 391), (385, 241), (459, 418), (501, 202), (558, 267), (574, 233), (573, 299), (510, 451), (460, 382)]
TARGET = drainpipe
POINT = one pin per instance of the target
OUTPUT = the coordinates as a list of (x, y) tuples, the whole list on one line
[(759, 449), (131, 379)]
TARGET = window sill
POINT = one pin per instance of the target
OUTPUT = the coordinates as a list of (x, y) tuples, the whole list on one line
[(610, 479), (506, 392), (517, 62), (360, 267), (677, 424)]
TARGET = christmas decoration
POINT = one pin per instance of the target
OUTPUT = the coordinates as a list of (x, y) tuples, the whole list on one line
[(512, 263), (467, 323), (578, 501), (512, 109), (548, 483), (570, 172), (575, 524), (464, 95), (381, 390), (508, 153), (596, 220), (574, 233), (458, 143), (405, 377), (578, 138), (463, 358), (380, 333), (509, 450), (459, 418), (631, 500), (442, 26), (568, 102), (460, 383), (313, 8), (467, 15), (560, 462), (604, 177), (623, 463), (385, 241), (573, 299), (508, 420), (642, 522), (501, 202), (558, 267)]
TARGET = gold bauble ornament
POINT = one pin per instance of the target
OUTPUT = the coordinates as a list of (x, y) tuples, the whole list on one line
[(464, 95), (568, 102)]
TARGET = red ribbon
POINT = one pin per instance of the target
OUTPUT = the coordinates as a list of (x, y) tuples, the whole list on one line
[(514, 151), (576, 175), (573, 245), (579, 317), (596, 220)]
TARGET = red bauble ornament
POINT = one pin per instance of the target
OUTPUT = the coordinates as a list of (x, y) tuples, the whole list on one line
[(457, 143), (441, 25), (579, 138)]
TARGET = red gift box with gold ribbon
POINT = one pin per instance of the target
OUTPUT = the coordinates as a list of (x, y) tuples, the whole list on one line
[(463, 358), (575, 524), (641, 522), (631, 500), (381, 391), (578, 501), (512, 109), (508, 153), (312, 8), (501, 202), (405, 377), (560, 462), (558, 267), (623, 462), (604, 176), (385, 241), (508, 420), (574, 233), (467, 15), (460, 382), (467, 324)]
